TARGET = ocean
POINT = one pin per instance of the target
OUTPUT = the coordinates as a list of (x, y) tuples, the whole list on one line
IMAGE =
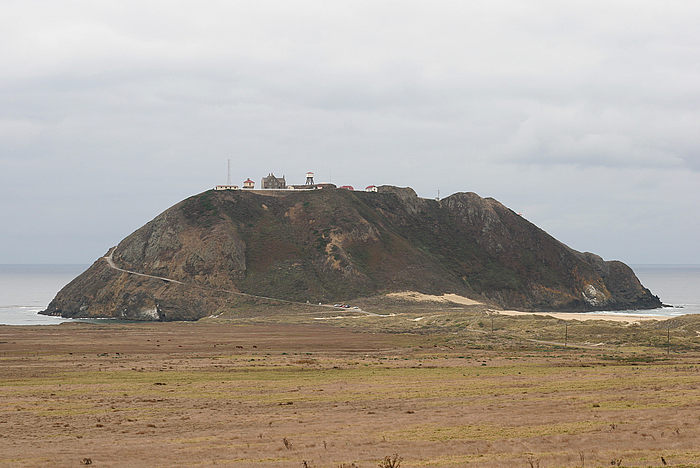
[(676, 285), (27, 289)]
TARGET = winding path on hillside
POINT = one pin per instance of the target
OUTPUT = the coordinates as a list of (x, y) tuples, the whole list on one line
[(110, 261)]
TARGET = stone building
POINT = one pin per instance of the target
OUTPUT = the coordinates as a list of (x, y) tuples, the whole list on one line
[(272, 182)]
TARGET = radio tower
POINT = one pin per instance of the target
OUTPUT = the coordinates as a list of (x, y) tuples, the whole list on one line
[(228, 173)]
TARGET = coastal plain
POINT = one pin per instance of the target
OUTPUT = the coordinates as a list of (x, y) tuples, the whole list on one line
[(459, 387)]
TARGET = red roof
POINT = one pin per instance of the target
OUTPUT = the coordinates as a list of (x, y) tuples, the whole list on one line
[(370, 186), (348, 187), (248, 181)]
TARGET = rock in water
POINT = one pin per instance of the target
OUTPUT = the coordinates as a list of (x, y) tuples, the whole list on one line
[(334, 245)]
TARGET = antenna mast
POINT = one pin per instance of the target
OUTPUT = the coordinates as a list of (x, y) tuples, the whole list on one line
[(228, 172)]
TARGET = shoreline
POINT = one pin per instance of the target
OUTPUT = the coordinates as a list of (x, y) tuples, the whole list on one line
[(611, 316), (30, 316), (586, 316)]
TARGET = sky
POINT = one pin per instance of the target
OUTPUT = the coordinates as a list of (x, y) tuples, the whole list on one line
[(584, 116)]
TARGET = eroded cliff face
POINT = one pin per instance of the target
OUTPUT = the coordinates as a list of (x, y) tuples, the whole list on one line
[(334, 245)]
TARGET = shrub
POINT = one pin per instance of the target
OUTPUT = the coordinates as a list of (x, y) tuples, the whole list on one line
[(393, 461)]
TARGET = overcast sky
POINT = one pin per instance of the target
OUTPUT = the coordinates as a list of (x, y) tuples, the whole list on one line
[(582, 115)]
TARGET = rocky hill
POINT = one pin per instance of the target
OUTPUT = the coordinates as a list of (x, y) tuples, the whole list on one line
[(333, 245)]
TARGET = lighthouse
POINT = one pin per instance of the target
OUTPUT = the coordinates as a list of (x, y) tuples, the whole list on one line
[(309, 178)]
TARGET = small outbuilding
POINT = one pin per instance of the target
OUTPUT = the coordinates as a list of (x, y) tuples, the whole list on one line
[(347, 187), (249, 184), (371, 188)]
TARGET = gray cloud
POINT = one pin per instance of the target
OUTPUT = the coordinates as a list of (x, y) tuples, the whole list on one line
[(582, 115)]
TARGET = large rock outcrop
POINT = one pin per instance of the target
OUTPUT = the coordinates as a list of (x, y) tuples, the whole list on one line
[(333, 245)]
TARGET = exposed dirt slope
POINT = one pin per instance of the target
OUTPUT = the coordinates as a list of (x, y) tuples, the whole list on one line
[(334, 245)]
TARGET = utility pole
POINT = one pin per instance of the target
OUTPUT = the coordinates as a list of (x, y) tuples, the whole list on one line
[(668, 339), (566, 334)]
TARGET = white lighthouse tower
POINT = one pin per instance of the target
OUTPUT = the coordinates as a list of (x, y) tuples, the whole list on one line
[(309, 178)]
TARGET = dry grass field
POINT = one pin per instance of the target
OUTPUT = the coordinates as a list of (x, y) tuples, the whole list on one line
[(349, 392)]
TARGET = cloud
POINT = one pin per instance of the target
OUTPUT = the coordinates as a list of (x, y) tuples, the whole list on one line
[(140, 104)]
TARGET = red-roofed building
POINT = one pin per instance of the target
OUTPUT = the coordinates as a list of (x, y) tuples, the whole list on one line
[(248, 184), (371, 188), (347, 187)]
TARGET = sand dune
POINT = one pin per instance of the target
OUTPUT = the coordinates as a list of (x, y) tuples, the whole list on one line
[(420, 297)]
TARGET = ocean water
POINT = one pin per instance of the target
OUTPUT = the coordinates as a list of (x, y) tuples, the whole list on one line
[(27, 289), (676, 285)]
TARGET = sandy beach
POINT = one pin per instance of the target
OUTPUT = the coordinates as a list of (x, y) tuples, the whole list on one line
[(627, 318), (414, 296)]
